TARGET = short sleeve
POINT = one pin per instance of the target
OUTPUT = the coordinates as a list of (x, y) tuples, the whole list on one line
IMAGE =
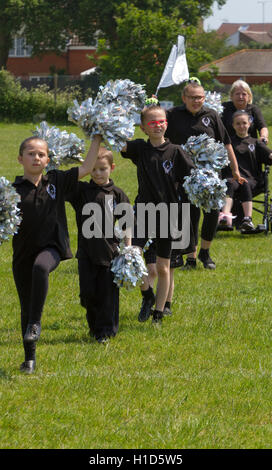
[(133, 151)]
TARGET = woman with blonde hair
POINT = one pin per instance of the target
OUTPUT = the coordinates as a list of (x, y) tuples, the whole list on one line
[(241, 98)]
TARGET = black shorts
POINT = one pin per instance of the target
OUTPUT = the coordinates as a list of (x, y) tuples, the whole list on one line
[(162, 246), (176, 259)]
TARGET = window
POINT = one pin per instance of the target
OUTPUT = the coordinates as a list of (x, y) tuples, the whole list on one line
[(20, 48)]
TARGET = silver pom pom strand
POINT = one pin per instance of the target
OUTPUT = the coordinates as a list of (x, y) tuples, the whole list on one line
[(205, 189), (206, 152), (112, 114), (10, 218), (128, 267), (213, 101), (64, 148)]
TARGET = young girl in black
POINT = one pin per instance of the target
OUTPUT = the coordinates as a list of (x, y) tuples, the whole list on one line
[(42, 240), (250, 154)]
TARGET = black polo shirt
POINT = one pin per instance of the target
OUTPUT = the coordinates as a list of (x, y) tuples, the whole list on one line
[(44, 221), (182, 124), (255, 116), (250, 154), (159, 169), (101, 250)]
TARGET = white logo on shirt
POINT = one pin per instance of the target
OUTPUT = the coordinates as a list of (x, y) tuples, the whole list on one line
[(251, 147), (167, 166), (206, 121), (51, 189), (251, 119), (111, 203)]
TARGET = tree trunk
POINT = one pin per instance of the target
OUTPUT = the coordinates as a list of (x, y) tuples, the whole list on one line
[(5, 43)]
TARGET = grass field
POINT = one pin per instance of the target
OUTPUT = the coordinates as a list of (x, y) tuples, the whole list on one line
[(201, 380)]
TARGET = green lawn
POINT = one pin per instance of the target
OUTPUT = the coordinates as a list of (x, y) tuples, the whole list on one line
[(201, 380)]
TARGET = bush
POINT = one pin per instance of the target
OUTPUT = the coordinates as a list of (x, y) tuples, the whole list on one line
[(18, 105)]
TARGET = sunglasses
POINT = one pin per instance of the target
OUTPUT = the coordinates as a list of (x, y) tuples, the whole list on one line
[(161, 122)]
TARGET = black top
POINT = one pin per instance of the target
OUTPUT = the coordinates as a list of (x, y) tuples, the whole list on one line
[(159, 169), (43, 214), (100, 250), (250, 154), (255, 116), (182, 124)]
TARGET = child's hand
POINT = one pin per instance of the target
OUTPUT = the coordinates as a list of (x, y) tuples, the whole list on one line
[(239, 178)]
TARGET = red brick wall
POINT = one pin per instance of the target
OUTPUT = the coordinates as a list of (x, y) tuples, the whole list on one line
[(249, 79), (73, 62)]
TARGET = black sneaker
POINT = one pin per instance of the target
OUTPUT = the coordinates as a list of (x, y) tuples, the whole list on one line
[(157, 317), (205, 258), (28, 367), (190, 264), (167, 311), (247, 224), (146, 307), (32, 333), (102, 339)]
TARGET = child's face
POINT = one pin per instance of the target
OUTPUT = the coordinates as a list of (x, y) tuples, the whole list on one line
[(35, 157), (155, 123), (101, 172), (241, 125), (194, 98)]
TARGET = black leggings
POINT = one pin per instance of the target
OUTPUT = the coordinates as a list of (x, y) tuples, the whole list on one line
[(243, 191), (209, 224), (100, 296), (31, 280)]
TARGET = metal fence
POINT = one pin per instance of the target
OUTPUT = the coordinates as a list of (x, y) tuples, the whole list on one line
[(62, 82)]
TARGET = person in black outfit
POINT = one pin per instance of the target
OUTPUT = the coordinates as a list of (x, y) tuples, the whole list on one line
[(241, 99), (250, 154), (161, 165), (42, 240), (99, 295), (192, 119)]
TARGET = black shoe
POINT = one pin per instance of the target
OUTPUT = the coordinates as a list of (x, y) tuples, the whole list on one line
[(146, 308), (167, 311), (157, 316), (28, 367), (205, 258), (32, 333), (247, 224), (190, 264), (102, 339)]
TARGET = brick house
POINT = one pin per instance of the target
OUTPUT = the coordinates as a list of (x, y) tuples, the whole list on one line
[(237, 33), (72, 61), (252, 65)]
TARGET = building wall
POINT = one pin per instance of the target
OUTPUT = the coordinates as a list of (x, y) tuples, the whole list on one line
[(256, 80), (74, 61)]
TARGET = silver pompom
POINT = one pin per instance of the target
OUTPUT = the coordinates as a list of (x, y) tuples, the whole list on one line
[(213, 101), (206, 152), (205, 189), (112, 114), (64, 148), (129, 267), (10, 218)]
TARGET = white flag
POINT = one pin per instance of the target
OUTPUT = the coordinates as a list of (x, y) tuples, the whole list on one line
[(176, 69)]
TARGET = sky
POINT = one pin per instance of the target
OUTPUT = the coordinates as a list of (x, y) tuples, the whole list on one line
[(240, 11)]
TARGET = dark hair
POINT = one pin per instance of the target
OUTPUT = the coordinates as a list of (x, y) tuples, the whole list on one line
[(28, 139), (146, 109), (105, 153), (240, 112)]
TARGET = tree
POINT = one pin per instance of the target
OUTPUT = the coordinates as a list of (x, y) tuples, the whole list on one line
[(104, 14), (46, 25), (140, 52)]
